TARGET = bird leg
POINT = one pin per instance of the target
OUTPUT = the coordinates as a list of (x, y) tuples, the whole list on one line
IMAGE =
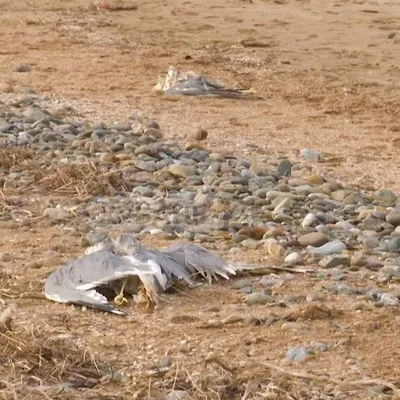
[(120, 299), (148, 298)]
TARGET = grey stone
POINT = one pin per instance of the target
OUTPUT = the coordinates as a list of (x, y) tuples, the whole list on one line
[(241, 284), (22, 68), (332, 261), (345, 289), (310, 155), (336, 246), (297, 354), (313, 239), (389, 299), (258, 298), (178, 395), (56, 213), (285, 168)]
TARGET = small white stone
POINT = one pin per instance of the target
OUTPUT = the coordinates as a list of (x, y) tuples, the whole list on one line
[(293, 259), (309, 220)]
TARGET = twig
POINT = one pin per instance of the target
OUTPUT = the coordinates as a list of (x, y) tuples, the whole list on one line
[(303, 375)]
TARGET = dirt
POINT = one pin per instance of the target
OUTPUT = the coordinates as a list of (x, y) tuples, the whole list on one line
[(328, 74)]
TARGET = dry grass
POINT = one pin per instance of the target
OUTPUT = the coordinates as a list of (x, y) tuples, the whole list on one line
[(214, 379), (112, 5), (80, 179), (12, 156), (39, 362)]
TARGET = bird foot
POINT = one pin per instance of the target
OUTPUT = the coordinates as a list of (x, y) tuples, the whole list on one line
[(120, 300)]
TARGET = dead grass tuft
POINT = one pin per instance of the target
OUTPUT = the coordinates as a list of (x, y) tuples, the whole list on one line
[(214, 379), (12, 156), (80, 179), (39, 362)]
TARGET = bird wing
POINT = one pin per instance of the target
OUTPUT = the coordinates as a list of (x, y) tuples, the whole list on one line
[(70, 295), (201, 86), (197, 258), (170, 267), (75, 283)]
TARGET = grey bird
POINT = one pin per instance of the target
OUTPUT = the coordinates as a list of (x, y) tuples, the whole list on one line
[(201, 86), (128, 267), (104, 265)]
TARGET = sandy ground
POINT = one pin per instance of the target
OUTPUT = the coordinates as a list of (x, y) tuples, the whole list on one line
[(328, 72)]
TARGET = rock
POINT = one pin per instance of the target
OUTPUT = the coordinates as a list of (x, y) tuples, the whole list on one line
[(315, 180), (122, 126), (345, 289), (309, 221), (285, 168), (33, 114), (241, 284), (22, 68), (393, 218), (33, 265), (258, 298), (182, 170), (393, 245), (256, 233), (6, 88), (285, 204), (6, 257), (200, 134), (313, 239), (275, 250), (251, 244), (391, 270), (165, 361), (178, 395), (297, 354), (153, 132), (389, 299), (293, 259), (385, 196), (56, 213), (358, 260), (8, 224), (336, 246), (310, 155), (332, 261), (319, 347), (271, 280), (148, 166)]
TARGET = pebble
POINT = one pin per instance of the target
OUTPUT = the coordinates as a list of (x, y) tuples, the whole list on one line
[(56, 213), (313, 239), (181, 170), (393, 218), (178, 395), (332, 261), (297, 354), (319, 347), (22, 68), (258, 298), (165, 361), (345, 289), (309, 221), (293, 259), (336, 246), (285, 168), (241, 284), (389, 299), (200, 134), (251, 244), (310, 155), (271, 280)]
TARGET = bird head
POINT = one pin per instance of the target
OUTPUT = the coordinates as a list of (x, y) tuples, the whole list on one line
[(126, 243)]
